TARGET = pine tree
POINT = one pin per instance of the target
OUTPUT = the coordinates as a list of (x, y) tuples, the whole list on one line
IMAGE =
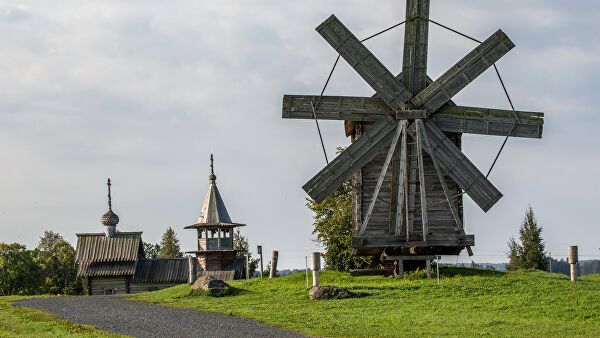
[(529, 252), (151, 251), (169, 245)]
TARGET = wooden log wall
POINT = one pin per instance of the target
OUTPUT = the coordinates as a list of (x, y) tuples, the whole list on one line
[(143, 287), (382, 222), (99, 284)]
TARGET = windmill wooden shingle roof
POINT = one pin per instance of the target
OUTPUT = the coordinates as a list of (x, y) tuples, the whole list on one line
[(411, 127)]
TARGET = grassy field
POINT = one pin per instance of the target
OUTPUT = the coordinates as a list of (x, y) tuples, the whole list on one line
[(24, 322), (467, 303)]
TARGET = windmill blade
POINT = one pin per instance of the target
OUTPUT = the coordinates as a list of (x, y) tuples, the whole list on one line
[(486, 121), (448, 118), (385, 84), (463, 72), (442, 180), (456, 165), (350, 160), (351, 108)]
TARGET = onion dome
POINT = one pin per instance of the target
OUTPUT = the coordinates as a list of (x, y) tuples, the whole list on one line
[(109, 218)]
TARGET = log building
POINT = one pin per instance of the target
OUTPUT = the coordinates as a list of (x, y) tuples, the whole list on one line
[(112, 262)]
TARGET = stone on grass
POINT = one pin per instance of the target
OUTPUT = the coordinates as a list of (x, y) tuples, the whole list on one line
[(209, 285), (329, 292)]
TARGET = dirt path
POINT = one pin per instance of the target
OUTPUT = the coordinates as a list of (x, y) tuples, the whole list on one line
[(117, 314)]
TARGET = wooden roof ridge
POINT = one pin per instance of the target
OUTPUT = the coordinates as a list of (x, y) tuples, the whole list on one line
[(103, 234)]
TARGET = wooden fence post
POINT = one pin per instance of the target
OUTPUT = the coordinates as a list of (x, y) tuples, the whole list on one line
[(573, 262), (274, 257), (191, 270), (259, 250), (247, 266), (316, 266)]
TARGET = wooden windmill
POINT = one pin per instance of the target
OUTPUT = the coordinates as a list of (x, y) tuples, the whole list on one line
[(405, 160)]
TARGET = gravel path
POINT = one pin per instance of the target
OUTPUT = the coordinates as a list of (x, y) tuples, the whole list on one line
[(117, 314)]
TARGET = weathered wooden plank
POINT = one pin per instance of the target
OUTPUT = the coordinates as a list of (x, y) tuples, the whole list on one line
[(399, 129), (463, 72), (462, 171), (421, 169), (454, 119), (416, 32), (400, 241), (402, 186), (442, 180), (354, 157), (364, 63)]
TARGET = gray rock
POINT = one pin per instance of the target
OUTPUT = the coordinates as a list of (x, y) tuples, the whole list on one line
[(329, 292), (209, 285)]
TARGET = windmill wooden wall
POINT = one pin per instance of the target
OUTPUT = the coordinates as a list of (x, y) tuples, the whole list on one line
[(382, 221)]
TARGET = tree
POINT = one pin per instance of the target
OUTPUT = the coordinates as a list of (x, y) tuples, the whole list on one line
[(56, 259), (151, 251), (240, 244), (333, 229), (19, 274), (529, 252), (169, 245)]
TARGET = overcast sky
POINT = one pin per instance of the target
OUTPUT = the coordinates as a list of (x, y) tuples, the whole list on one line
[(144, 91)]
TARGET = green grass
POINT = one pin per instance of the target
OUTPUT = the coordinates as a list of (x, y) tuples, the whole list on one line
[(467, 303), (25, 322)]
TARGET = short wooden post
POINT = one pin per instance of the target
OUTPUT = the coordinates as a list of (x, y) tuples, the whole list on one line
[(247, 267), (274, 257), (428, 263), (573, 259), (316, 266), (400, 268), (191, 269), (259, 250), (306, 269)]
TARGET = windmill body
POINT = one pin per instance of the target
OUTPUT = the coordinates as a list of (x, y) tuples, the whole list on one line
[(405, 161)]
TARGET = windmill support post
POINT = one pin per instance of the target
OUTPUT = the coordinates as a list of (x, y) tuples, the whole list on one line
[(274, 258), (315, 267), (573, 259), (428, 263)]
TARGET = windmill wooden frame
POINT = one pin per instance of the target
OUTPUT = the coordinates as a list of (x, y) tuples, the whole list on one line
[(407, 169)]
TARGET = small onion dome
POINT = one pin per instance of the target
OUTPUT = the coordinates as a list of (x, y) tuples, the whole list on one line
[(109, 218)]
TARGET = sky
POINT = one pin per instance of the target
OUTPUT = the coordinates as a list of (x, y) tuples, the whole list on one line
[(144, 91)]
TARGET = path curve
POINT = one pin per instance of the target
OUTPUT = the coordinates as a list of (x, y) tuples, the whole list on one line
[(120, 315)]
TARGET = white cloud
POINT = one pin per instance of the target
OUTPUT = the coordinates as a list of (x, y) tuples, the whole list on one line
[(144, 91)]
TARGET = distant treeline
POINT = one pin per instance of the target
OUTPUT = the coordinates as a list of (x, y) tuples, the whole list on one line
[(588, 267), (47, 269), (584, 267)]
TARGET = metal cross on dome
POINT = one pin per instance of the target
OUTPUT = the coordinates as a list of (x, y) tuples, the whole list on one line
[(410, 104)]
